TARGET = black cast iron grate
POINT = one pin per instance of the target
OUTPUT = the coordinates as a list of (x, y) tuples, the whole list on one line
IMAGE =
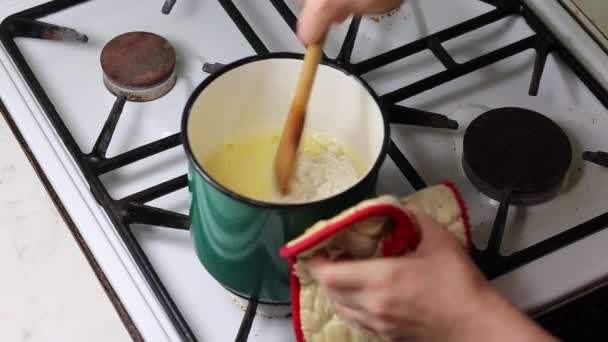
[(133, 208)]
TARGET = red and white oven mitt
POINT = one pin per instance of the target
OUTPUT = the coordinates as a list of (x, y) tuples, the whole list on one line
[(379, 227)]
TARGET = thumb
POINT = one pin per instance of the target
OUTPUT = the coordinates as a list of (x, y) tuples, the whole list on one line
[(318, 15), (433, 236), (316, 18)]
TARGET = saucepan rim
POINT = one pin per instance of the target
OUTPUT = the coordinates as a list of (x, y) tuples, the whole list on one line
[(271, 205)]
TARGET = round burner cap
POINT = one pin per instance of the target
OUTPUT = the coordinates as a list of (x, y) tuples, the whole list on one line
[(518, 149), (138, 60)]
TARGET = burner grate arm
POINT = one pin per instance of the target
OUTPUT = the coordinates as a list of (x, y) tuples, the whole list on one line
[(404, 165), (168, 6), (543, 49), (144, 214), (245, 328), (103, 141), (285, 13), (490, 258), (346, 51), (106, 165), (242, 24), (498, 228), (28, 28), (421, 44), (210, 68), (157, 191), (552, 244), (460, 70), (441, 54), (599, 158), (415, 117)]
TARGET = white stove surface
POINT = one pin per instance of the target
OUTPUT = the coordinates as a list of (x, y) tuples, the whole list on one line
[(202, 32)]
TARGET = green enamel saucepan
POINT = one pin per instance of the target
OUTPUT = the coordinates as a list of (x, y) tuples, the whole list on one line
[(236, 238)]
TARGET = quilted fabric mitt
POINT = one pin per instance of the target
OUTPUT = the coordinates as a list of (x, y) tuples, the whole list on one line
[(375, 228)]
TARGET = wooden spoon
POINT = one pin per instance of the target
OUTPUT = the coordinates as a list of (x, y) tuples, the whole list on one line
[(285, 158)]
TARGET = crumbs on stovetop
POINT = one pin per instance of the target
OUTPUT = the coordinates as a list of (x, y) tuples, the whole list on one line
[(376, 18)]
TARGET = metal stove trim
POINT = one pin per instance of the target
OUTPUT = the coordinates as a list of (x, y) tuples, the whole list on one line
[(583, 19)]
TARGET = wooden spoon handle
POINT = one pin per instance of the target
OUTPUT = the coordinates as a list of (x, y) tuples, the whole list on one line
[(294, 125), (307, 76)]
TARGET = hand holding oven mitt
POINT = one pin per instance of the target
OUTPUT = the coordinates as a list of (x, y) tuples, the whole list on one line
[(375, 228)]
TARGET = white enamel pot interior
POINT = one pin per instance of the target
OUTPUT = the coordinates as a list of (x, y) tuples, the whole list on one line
[(254, 94)]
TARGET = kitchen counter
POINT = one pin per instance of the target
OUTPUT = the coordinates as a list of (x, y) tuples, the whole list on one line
[(49, 291)]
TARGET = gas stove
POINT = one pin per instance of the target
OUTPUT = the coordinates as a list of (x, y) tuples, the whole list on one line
[(104, 135)]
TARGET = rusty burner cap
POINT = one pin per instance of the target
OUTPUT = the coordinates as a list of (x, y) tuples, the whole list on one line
[(140, 65)]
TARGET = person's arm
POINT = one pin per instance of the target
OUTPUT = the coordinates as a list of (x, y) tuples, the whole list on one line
[(499, 320), (435, 293), (318, 15)]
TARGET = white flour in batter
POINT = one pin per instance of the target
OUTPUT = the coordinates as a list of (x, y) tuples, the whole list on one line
[(323, 169)]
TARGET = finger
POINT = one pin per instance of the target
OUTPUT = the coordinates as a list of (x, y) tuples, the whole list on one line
[(322, 270), (432, 235), (425, 224), (354, 299), (342, 276), (362, 7), (317, 265), (378, 326), (349, 275), (316, 18), (358, 317)]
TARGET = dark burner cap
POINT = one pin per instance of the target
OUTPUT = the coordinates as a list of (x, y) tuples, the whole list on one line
[(519, 149), (138, 60)]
